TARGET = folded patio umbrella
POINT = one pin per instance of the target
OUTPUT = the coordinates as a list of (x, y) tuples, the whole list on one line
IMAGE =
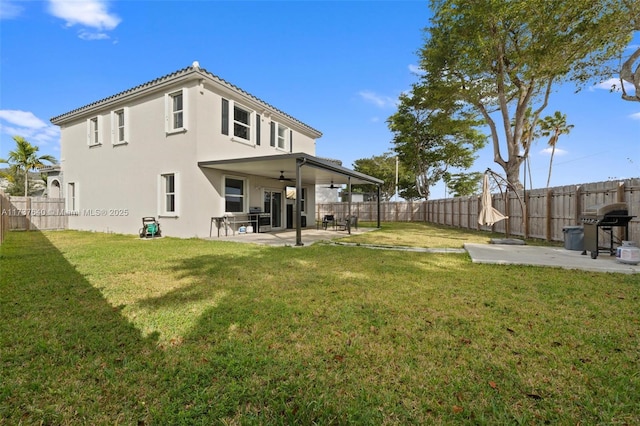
[(488, 214)]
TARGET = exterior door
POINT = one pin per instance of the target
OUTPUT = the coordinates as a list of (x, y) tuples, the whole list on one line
[(273, 206)]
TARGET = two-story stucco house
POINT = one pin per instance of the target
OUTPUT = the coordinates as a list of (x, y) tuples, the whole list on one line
[(186, 148)]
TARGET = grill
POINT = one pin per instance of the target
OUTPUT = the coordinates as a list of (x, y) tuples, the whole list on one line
[(604, 217), (261, 221)]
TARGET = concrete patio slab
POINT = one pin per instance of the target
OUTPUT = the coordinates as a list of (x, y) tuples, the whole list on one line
[(288, 237), (546, 256)]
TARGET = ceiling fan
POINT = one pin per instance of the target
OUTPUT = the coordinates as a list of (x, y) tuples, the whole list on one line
[(282, 178), (332, 186)]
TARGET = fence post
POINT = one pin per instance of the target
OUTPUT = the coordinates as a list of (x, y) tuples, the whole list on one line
[(507, 213), (445, 203), (578, 204), (620, 199), (549, 203), (525, 213), (620, 193), (427, 211)]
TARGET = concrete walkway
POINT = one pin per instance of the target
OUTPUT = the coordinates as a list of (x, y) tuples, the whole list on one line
[(503, 254)]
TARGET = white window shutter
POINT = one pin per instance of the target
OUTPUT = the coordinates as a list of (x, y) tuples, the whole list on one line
[(258, 118), (185, 109), (88, 131), (224, 128), (273, 134), (101, 131), (114, 127), (177, 192), (127, 126), (167, 113)]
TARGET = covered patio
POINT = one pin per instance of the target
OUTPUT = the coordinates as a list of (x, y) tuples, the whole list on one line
[(288, 237), (299, 169)]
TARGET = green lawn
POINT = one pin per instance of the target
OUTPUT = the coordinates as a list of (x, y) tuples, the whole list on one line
[(110, 329), (419, 234)]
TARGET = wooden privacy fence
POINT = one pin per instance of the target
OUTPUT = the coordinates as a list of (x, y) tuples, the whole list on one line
[(27, 213), (538, 213)]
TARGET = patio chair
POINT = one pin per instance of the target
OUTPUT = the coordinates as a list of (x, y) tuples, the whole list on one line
[(350, 223), (328, 219)]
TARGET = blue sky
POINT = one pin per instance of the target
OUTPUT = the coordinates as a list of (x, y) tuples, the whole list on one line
[(338, 66)]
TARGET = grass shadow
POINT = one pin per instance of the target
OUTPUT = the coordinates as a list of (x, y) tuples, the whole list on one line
[(67, 355)]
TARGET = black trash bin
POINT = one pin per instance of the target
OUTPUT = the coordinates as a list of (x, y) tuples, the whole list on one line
[(573, 238)]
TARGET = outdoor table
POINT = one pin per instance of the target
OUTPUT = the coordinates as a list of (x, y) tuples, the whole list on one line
[(218, 220)]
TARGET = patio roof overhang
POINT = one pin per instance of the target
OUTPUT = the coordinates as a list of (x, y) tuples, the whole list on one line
[(300, 169), (318, 172)]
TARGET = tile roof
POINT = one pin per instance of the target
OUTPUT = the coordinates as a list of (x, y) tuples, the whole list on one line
[(168, 77)]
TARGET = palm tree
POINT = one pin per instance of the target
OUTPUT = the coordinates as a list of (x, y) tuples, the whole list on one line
[(25, 158), (554, 126), (530, 132)]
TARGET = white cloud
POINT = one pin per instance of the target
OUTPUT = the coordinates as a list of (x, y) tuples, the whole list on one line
[(87, 35), (635, 116), (22, 118), (377, 100), (613, 85), (559, 151), (9, 10), (93, 14), (27, 125)]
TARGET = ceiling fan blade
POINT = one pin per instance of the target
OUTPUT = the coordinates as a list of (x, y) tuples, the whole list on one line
[(282, 178)]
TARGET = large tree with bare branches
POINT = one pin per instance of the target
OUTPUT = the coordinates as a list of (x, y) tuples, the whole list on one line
[(630, 70)]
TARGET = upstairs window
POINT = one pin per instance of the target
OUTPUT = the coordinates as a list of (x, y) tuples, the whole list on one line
[(240, 120), (176, 111), (280, 136), (93, 131), (120, 126), (241, 123)]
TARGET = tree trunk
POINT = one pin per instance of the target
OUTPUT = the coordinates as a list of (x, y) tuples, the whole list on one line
[(26, 182), (512, 169), (553, 151)]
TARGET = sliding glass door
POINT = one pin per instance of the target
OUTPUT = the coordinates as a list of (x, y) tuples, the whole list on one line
[(273, 206)]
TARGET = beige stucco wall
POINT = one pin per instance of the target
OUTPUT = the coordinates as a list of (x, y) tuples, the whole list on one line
[(213, 145), (117, 185)]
